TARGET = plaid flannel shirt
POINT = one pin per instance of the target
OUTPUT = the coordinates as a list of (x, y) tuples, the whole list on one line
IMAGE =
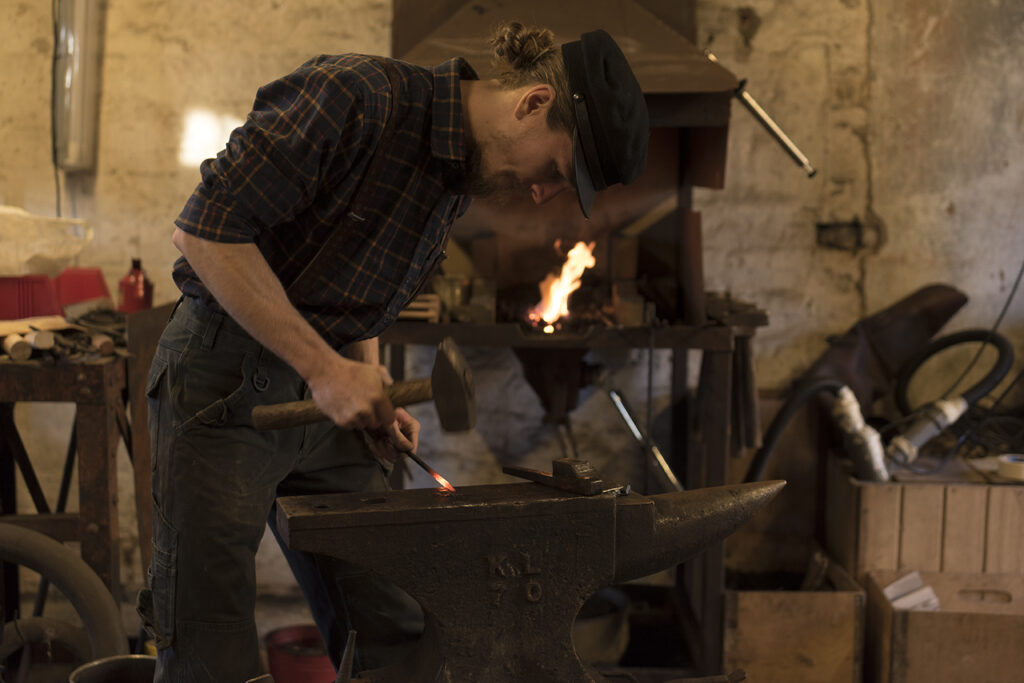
[(287, 177)]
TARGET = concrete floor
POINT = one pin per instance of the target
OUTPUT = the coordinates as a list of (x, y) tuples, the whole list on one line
[(272, 612), (274, 609)]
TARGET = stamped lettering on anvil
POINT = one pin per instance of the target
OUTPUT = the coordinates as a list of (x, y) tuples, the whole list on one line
[(517, 573)]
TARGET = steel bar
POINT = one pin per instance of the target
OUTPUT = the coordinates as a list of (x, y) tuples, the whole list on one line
[(769, 124), (649, 446)]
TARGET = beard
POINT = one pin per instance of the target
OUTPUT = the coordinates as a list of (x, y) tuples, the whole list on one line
[(502, 187)]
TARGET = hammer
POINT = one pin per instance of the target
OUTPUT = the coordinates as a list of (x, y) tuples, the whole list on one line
[(450, 385)]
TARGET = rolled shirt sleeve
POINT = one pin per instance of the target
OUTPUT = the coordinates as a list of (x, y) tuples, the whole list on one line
[(303, 129)]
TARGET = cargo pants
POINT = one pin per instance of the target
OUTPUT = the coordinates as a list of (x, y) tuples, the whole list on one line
[(215, 480)]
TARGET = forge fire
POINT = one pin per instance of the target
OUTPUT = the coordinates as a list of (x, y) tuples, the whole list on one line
[(556, 289)]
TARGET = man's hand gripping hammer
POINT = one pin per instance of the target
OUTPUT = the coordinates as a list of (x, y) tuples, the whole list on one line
[(450, 385)]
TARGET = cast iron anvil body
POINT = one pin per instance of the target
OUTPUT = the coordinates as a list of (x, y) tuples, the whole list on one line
[(502, 570)]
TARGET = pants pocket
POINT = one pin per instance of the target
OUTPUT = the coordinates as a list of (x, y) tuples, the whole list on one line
[(215, 389), (156, 602)]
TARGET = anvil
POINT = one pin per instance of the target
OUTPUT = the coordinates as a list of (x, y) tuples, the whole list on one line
[(502, 570)]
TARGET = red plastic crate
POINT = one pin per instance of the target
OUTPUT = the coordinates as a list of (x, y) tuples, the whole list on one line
[(27, 296), (80, 284)]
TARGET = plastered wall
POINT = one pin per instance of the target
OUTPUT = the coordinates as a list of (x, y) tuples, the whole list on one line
[(911, 112), (913, 115)]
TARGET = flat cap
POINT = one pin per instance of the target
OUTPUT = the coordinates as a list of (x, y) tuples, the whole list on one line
[(612, 126)]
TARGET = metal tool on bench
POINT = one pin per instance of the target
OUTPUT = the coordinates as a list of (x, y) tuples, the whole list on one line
[(450, 385), (502, 570)]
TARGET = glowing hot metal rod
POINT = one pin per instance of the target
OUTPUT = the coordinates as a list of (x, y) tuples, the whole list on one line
[(440, 480)]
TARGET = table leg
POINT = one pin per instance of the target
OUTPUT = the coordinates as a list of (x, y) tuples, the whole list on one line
[(717, 438), (8, 506), (142, 473), (97, 485), (704, 576)]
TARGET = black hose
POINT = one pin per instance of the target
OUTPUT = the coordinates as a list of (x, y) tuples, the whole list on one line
[(75, 579), (987, 383), (796, 399)]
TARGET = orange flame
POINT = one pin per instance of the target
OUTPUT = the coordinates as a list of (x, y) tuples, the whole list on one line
[(555, 290)]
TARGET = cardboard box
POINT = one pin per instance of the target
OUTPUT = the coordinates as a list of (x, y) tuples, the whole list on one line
[(976, 635), (797, 636), (950, 522)]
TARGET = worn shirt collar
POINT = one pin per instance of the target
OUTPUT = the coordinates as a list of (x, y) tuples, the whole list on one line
[(447, 138)]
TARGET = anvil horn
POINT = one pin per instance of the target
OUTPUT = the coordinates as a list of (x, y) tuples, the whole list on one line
[(680, 525)]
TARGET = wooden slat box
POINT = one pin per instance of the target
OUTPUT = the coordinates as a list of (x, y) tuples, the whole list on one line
[(794, 636), (976, 636), (952, 522)]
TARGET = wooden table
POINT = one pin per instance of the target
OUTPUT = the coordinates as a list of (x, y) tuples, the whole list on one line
[(103, 418), (96, 388)]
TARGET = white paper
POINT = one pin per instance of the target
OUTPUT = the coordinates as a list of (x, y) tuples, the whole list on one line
[(903, 585), (922, 599)]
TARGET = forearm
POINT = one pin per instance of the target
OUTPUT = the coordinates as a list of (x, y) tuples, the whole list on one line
[(350, 393), (364, 351), (242, 282)]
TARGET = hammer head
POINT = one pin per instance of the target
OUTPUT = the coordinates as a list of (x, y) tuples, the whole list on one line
[(452, 385)]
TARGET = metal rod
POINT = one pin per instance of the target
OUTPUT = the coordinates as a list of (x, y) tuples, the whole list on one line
[(567, 441), (769, 124), (347, 657), (648, 445), (761, 115), (437, 477), (649, 412)]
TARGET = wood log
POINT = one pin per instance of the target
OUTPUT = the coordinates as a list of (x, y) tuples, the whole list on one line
[(17, 347)]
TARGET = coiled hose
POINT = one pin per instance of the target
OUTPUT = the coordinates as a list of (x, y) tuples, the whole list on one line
[(794, 402), (75, 579), (803, 392), (981, 389)]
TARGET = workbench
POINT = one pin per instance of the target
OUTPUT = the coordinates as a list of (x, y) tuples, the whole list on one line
[(96, 390), (109, 397)]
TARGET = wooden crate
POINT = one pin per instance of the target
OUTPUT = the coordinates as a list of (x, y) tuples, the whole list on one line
[(952, 523), (975, 636), (792, 636)]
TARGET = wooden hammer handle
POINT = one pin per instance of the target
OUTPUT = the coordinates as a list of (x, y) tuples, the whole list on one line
[(296, 413)]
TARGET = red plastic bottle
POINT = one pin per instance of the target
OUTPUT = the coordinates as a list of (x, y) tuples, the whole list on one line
[(136, 290)]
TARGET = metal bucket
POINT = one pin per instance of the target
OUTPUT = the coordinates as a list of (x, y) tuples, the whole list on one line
[(116, 669), (296, 654)]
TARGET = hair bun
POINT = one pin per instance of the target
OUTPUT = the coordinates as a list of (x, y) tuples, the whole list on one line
[(520, 47)]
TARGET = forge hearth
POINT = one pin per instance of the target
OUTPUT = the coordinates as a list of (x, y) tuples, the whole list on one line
[(556, 375), (590, 305)]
